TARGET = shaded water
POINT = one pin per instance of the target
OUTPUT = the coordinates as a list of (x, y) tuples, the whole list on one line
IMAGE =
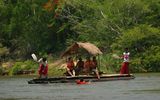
[(143, 87)]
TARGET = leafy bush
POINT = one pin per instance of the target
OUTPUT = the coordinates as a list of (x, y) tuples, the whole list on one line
[(16, 68), (55, 71), (23, 66), (109, 64), (1, 70), (4, 51), (151, 59)]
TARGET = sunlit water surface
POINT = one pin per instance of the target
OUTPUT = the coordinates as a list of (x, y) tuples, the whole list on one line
[(143, 87)]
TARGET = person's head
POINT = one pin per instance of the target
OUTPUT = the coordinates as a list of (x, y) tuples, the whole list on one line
[(80, 59), (70, 58), (81, 80), (88, 58), (94, 58), (44, 59), (126, 49)]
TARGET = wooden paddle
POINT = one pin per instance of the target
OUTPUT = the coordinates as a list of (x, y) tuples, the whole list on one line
[(34, 57)]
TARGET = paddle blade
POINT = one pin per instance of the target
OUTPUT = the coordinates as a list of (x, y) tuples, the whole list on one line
[(34, 57)]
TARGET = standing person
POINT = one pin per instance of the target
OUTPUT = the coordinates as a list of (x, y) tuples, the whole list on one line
[(70, 67), (43, 68), (125, 64), (79, 66)]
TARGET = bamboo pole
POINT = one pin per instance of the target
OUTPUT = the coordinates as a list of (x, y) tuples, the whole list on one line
[(98, 63)]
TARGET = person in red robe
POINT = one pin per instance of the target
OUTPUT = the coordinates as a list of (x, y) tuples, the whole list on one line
[(87, 65), (43, 68), (70, 67), (94, 67), (91, 66), (125, 64)]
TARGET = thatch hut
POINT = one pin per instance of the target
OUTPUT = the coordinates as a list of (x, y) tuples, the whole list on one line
[(74, 49), (89, 47)]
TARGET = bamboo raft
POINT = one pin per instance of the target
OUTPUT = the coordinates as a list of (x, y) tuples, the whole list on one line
[(69, 79)]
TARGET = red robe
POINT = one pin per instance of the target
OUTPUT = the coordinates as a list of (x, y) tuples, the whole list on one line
[(70, 65), (43, 70), (125, 64), (125, 68)]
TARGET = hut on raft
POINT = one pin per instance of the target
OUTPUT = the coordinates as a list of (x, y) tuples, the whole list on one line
[(83, 49)]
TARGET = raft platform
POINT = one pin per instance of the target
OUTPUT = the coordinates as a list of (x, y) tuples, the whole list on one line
[(69, 79)]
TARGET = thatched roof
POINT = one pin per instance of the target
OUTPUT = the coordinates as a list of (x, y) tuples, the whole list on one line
[(90, 48)]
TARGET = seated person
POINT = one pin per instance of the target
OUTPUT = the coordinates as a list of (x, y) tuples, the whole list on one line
[(70, 67), (87, 65), (91, 66), (79, 66), (94, 66)]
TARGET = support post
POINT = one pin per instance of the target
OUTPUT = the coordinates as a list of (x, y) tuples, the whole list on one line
[(99, 63)]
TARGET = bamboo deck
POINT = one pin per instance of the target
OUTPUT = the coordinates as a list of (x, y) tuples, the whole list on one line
[(69, 79)]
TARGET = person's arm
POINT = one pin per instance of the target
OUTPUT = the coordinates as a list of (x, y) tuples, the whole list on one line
[(40, 60), (73, 64), (78, 64)]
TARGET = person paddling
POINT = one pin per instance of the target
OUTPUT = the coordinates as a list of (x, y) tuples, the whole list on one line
[(43, 68)]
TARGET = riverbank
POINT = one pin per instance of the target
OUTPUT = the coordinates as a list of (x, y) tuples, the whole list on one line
[(57, 66), (29, 67)]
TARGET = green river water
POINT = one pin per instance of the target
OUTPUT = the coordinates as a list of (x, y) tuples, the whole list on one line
[(143, 87)]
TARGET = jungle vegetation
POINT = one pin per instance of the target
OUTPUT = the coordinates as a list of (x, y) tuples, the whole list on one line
[(49, 26)]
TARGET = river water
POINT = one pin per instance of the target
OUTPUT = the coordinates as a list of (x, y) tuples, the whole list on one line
[(143, 87)]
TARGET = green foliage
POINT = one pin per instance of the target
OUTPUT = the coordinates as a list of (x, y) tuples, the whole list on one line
[(138, 39), (109, 64), (27, 27), (3, 50), (16, 68), (87, 22), (1, 70), (23, 66), (151, 59), (55, 71), (143, 42), (101, 22)]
